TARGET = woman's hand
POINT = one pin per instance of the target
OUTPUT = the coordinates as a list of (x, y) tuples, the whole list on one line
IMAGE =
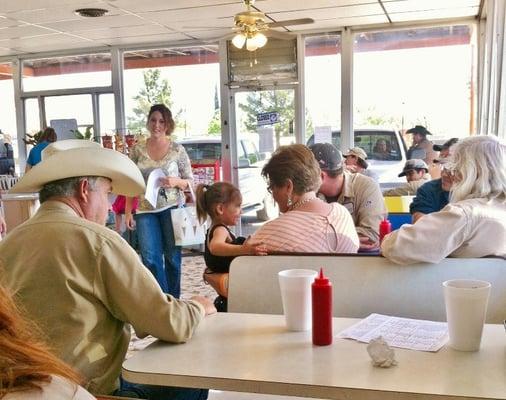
[(129, 221), (172, 181), (255, 247)]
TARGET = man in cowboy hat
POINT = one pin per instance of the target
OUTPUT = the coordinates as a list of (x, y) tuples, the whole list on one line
[(421, 147), (416, 173), (355, 161), (81, 282)]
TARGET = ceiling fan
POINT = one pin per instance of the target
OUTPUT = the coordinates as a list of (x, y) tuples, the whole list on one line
[(252, 28)]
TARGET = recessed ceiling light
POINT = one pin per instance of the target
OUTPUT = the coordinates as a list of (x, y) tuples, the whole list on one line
[(91, 12)]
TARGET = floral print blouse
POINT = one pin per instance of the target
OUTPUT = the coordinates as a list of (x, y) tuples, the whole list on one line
[(175, 163)]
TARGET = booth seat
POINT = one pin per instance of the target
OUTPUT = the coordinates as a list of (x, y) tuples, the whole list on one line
[(365, 284)]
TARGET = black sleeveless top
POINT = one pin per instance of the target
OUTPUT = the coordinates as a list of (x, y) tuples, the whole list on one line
[(220, 263)]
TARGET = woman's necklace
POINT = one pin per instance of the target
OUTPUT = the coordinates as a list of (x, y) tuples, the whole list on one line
[(303, 200)]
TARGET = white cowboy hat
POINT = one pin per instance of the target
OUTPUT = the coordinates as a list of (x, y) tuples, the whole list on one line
[(77, 157)]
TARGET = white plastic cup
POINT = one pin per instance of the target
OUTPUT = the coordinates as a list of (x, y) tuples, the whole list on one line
[(466, 303), (295, 285)]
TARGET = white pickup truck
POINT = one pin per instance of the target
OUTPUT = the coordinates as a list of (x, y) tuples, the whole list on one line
[(386, 165)]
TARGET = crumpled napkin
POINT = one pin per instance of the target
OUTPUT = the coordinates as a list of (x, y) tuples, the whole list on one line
[(381, 353)]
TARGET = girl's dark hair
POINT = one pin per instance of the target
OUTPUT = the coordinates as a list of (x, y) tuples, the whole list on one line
[(49, 135), (208, 196), (166, 114)]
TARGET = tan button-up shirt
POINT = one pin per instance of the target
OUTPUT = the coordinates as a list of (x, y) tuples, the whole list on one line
[(468, 229), (362, 197), (82, 283)]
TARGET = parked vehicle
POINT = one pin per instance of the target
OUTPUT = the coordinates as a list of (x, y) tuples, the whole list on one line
[(250, 162), (386, 153)]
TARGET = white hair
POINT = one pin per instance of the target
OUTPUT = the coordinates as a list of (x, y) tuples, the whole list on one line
[(480, 165)]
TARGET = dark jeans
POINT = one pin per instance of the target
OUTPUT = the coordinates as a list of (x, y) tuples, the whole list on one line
[(158, 250), (151, 392)]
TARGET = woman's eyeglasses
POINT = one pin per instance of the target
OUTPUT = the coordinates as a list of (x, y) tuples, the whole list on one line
[(449, 169)]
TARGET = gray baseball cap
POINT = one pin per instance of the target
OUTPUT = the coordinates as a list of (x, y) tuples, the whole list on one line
[(413, 164), (328, 156)]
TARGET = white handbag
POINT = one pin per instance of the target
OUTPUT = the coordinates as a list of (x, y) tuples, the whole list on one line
[(188, 230)]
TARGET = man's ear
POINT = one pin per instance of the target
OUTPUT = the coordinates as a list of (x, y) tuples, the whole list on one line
[(83, 190), (322, 175)]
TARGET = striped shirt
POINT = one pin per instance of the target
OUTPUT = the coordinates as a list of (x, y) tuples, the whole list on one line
[(307, 232)]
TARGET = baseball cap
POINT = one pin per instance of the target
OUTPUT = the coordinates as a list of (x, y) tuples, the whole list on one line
[(412, 164), (445, 145), (328, 156), (359, 153), (419, 129)]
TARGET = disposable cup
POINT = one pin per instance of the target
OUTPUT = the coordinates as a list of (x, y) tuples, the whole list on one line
[(466, 303), (295, 285)]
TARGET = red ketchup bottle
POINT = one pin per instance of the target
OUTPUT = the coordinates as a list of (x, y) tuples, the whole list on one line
[(321, 291), (385, 229)]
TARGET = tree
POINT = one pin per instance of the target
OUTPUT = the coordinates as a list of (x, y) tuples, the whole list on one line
[(155, 91), (214, 127), (281, 101)]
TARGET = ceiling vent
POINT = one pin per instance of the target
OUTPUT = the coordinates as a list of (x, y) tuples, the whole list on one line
[(91, 12)]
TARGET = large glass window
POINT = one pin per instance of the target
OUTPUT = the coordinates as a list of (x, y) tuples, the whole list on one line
[(8, 114), (415, 77), (90, 70), (322, 67), (185, 79)]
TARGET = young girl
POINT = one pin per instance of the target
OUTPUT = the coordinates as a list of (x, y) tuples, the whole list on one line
[(222, 203)]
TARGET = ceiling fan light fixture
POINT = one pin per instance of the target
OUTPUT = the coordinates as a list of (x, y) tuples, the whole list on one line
[(239, 40), (250, 45), (259, 39)]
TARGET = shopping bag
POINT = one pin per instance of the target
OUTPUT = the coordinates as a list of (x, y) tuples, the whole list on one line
[(188, 230)]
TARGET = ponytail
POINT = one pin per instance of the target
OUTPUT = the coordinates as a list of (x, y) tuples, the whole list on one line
[(202, 210)]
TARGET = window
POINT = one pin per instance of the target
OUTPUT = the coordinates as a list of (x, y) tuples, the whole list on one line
[(8, 114), (186, 79), (91, 70), (323, 81), (411, 77)]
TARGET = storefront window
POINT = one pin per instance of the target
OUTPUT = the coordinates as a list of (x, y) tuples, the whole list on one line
[(415, 77), (90, 70)]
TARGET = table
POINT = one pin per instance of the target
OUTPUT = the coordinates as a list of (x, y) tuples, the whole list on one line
[(255, 353)]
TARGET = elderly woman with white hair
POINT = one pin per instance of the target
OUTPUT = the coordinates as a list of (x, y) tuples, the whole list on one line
[(473, 224)]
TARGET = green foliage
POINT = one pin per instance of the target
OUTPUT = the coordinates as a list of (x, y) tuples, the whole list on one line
[(33, 139), (87, 135), (214, 127), (155, 91), (281, 101), (372, 117)]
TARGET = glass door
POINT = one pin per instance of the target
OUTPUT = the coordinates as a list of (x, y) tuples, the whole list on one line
[(264, 120)]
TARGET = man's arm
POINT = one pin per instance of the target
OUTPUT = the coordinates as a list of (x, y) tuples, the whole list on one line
[(131, 294), (431, 239), (371, 209)]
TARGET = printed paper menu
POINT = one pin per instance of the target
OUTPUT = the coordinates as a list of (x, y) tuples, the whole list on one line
[(405, 333)]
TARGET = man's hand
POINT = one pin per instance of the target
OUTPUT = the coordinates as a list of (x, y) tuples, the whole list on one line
[(206, 303), (367, 244)]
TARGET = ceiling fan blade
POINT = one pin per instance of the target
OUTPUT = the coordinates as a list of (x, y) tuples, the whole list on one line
[(288, 22), (279, 35)]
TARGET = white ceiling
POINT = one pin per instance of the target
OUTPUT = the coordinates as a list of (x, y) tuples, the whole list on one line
[(31, 26)]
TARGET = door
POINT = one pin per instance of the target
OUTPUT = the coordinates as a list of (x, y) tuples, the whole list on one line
[(264, 120)]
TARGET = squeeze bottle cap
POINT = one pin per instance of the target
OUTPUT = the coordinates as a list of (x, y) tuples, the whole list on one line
[(321, 279)]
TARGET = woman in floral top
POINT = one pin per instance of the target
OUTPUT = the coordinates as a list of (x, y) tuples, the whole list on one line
[(154, 224)]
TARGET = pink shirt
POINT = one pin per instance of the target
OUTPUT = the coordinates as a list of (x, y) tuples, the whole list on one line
[(307, 232)]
